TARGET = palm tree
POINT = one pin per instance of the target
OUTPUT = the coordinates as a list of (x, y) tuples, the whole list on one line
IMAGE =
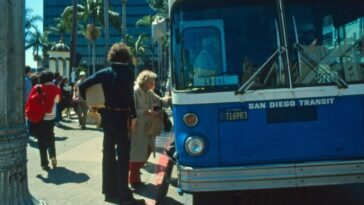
[(32, 34), (141, 50), (161, 6), (41, 45), (92, 12), (62, 27), (73, 38), (145, 50), (106, 28), (123, 21), (46, 46), (34, 41), (30, 22), (145, 21), (82, 30)]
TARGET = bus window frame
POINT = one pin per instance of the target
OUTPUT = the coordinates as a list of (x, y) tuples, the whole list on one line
[(215, 23), (184, 25)]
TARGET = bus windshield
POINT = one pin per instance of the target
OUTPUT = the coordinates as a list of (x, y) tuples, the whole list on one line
[(221, 45)]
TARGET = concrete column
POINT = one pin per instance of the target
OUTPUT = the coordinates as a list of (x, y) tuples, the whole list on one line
[(52, 65), (13, 136), (60, 66), (67, 74)]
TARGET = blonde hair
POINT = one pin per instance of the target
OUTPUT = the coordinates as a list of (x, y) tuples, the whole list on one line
[(144, 76)]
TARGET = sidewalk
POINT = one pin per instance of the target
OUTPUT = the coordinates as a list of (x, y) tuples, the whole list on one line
[(77, 178)]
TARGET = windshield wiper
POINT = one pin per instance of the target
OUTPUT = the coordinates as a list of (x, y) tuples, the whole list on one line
[(315, 65), (299, 64), (250, 82)]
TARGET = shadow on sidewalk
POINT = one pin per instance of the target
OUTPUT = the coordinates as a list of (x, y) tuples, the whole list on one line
[(93, 129), (63, 126), (66, 120), (148, 191), (170, 201), (154, 168), (59, 138), (62, 175), (32, 141)]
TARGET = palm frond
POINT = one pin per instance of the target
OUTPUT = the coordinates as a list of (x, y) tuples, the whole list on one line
[(145, 21)]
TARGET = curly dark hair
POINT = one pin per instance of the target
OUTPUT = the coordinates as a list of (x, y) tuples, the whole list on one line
[(28, 69), (119, 52), (46, 76)]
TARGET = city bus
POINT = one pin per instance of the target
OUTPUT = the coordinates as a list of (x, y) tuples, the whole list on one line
[(267, 93)]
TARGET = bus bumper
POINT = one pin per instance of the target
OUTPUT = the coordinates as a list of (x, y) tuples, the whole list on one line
[(271, 176)]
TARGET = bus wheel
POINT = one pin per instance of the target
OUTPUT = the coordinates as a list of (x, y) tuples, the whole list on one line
[(197, 198), (214, 198)]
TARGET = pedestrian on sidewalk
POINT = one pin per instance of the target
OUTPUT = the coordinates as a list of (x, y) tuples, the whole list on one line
[(27, 82), (149, 124), (44, 129), (80, 102), (118, 114), (28, 87), (57, 81), (66, 92)]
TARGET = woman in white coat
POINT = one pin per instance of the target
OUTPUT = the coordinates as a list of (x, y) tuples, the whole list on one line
[(142, 141)]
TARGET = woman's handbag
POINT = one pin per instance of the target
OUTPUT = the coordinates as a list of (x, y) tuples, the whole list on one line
[(154, 125)]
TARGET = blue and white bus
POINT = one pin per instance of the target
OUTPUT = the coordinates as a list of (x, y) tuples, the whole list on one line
[(267, 93)]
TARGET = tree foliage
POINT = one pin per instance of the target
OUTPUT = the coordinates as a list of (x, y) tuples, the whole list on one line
[(30, 22), (35, 39), (161, 6), (143, 47)]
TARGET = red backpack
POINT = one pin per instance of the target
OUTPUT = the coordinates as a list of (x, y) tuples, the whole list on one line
[(35, 106)]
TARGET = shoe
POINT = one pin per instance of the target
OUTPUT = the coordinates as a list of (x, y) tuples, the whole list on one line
[(137, 185), (134, 202), (54, 162), (111, 198), (171, 154), (46, 168)]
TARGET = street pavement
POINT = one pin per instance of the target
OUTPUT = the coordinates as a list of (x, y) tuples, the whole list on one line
[(77, 178)]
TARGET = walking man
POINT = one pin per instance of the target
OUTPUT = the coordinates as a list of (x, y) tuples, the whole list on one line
[(80, 101)]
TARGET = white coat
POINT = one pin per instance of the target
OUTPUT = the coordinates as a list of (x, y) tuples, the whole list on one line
[(140, 140)]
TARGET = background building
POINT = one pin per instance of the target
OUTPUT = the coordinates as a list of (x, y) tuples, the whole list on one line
[(135, 9), (59, 59)]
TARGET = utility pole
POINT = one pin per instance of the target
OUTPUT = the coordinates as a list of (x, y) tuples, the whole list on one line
[(123, 20), (13, 133)]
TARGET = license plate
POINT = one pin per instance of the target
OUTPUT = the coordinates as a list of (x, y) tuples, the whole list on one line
[(233, 114)]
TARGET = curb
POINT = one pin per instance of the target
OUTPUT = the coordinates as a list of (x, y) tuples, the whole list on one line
[(161, 175)]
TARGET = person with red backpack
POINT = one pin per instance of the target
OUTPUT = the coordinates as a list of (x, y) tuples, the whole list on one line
[(41, 111)]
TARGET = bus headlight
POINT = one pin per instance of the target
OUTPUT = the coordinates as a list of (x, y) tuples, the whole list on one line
[(190, 119), (195, 145)]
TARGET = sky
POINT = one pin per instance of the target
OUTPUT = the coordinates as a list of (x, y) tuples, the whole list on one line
[(37, 6)]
